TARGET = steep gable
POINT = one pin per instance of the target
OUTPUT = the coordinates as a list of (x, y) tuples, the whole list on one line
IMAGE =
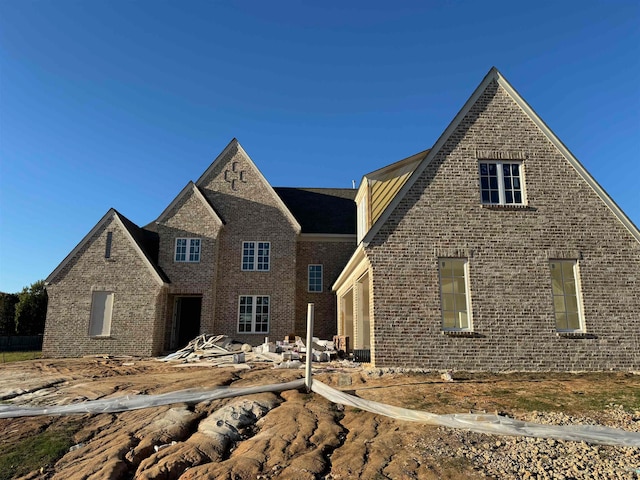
[(189, 190), (233, 179), (494, 77), (144, 242)]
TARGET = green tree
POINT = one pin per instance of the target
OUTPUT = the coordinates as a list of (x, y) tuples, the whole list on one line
[(8, 313), (31, 309)]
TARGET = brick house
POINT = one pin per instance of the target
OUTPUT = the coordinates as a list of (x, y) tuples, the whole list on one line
[(493, 250), (229, 255)]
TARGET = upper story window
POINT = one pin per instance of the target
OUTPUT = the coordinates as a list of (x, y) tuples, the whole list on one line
[(107, 247), (567, 301), (187, 250), (256, 256), (315, 278), (501, 183), (454, 291)]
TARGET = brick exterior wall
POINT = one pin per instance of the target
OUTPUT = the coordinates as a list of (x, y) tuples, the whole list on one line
[(251, 212), (508, 251), (138, 307), (333, 256), (190, 218)]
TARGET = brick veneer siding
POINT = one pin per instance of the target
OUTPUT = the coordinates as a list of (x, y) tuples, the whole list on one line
[(251, 212), (333, 256), (190, 218), (508, 252), (136, 324)]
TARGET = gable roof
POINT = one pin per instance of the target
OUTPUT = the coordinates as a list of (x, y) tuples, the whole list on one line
[(234, 144), (383, 184), (495, 76), (191, 188), (144, 242), (321, 210)]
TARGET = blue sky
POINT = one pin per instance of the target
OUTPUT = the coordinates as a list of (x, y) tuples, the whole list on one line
[(120, 103)]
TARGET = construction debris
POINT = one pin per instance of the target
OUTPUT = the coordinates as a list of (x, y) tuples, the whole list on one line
[(222, 351)]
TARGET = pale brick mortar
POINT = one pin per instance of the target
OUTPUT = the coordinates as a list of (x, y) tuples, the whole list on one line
[(135, 321), (333, 256), (508, 259), (190, 218), (251, 213)]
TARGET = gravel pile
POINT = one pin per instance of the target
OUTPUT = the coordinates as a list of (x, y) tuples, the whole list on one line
[(537, 458)]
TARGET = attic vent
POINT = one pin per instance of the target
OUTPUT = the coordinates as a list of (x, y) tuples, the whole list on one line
[(107, 248)]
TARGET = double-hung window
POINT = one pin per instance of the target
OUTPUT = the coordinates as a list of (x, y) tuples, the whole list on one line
[(256, 256), (187, 250), (567, 301), (501, 183), (454, 293), (253, 314), (315, 278)]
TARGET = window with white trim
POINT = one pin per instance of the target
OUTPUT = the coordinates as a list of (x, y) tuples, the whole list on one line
[(253, 314), (501, 183), (256, 256), (454, 294), (187, 250), (101, 311), (315, 279), (567, 301)]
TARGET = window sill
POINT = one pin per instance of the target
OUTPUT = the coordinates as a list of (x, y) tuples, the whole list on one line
[(460, 333), (101, 337), (575, 335), (496, 206)]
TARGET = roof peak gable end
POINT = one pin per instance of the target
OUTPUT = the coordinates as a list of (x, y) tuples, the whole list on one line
[(495, 76), (235, 145)]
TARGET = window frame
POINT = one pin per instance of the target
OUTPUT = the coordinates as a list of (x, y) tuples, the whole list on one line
[(467, 295), (104, 321), (501, 186), (256, 262), (188, 250), (108, 244), (254, 314), (579, 307), (309, 278)]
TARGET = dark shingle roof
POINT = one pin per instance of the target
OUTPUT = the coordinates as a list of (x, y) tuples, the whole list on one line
[(148, 241), (321, 210)]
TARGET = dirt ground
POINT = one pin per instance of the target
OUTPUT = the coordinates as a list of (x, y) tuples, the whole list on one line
[(288, 435)]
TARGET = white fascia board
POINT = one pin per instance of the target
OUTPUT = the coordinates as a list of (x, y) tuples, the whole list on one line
[(575, 163), (79, 246), (363, 189), (356, 259), (489, 77), (111, 213), (494, 74)]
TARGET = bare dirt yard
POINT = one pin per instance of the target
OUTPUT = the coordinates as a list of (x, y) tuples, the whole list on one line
[(294, 434)]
